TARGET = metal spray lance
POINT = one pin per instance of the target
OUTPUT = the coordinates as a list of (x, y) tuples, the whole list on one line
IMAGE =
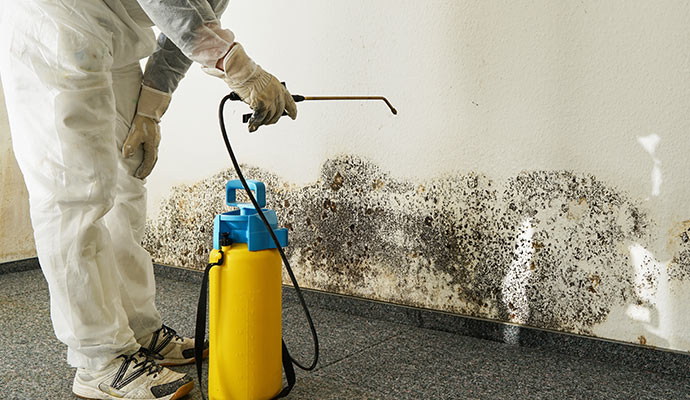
[(299, 98)]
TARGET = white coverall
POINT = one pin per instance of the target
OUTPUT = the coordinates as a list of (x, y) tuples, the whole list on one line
[(71, 76)]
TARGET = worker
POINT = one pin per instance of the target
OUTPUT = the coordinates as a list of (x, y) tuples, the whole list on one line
[(84, 122)]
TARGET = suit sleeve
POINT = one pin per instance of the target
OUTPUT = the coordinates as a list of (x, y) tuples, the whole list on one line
[(191, 31)]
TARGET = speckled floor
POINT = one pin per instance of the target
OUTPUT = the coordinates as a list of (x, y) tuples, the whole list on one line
[(361, 358)]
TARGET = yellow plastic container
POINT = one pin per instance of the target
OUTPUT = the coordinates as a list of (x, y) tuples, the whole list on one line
[(245, 327)]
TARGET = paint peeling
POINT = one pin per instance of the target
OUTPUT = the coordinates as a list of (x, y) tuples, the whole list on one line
[(544, 248)]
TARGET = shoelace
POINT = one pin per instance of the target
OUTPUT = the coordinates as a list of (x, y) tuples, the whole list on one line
[(147, 363), (167, 335), (143, 364), (167, 331)]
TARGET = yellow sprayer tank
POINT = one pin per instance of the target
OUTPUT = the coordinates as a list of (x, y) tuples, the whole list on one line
[(245, 358)]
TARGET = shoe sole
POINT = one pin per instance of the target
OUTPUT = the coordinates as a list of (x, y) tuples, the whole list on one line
[(182, 391), (185, 362), (179, 393)]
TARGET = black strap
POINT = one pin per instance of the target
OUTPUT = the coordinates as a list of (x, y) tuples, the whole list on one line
[(200, 338), (289, 373), (200, 333)]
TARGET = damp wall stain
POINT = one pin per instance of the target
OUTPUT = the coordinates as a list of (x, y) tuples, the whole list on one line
[(548, 249)]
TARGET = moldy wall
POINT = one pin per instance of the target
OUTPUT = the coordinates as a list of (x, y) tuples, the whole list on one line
[(551, 249), (536, 172)]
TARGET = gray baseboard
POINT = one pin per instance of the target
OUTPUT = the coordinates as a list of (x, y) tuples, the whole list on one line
[(632, 356), (26, 264)]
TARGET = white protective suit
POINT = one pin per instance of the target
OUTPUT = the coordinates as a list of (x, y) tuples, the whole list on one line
[(71, 75)]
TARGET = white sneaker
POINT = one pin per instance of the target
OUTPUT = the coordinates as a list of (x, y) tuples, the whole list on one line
[(132, 377), (168, 348)]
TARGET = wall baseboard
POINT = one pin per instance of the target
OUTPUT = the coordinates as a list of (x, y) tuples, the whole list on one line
[(25, 264)]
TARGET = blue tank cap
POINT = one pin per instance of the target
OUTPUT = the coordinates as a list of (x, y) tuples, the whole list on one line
[(244, 225)]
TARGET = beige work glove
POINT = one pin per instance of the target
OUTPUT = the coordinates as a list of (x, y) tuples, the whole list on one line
[(261, 90), (145, 130)]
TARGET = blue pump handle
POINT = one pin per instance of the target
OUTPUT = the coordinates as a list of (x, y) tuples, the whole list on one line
[(257, 187)]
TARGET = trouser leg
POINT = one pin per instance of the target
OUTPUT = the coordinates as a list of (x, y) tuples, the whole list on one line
[(62, 112), (126, 220)]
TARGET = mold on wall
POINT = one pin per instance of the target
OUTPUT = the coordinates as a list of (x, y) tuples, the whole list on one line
[(550, 249), (679, 267)]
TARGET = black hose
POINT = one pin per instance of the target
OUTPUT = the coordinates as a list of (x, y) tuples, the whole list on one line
[(221, 118)]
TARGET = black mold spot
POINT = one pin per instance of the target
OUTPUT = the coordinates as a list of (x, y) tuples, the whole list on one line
[(679, 267), (543, 248), (337, 182)]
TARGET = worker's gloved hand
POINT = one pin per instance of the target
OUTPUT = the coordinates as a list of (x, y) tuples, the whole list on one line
[(145, 130), (261, 90)]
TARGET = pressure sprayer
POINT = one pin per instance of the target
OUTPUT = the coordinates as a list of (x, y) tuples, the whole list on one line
[(247, 355)]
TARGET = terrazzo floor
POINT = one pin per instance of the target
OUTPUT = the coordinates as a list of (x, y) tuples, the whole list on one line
[(360, 358)]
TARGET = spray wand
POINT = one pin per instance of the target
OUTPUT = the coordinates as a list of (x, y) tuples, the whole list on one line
[(299, 98)]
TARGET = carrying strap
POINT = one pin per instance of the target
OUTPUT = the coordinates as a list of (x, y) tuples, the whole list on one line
[(200, 337), (289, 373), (200, 332)]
